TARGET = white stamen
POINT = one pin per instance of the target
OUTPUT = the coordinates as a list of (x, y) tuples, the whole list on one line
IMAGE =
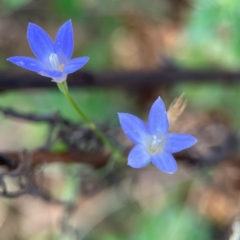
[(156, 144), (54, 61)]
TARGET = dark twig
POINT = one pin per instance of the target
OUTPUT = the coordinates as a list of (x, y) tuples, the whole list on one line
[(50, 119), (129, 79), (27, 179), (74, 135), (96, 159)]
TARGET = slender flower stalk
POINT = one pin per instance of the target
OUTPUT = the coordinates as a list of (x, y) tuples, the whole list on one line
[(116, 153), (54, 61)]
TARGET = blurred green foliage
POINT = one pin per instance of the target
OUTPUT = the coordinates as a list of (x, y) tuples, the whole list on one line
[(213, 97), (213, 34), (11, 5), (99, 105), (173, 222), (212, 39), (98, 47)]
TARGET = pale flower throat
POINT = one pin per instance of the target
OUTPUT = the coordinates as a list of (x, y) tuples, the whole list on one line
[(155, 144), (55, 62)]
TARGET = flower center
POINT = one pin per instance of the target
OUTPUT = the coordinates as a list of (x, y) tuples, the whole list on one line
[(55, 62), (156, 144)]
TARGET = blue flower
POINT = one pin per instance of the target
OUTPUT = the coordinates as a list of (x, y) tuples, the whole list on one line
[(153, 142), (53, 57)]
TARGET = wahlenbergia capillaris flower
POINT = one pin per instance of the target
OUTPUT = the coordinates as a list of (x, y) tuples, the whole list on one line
[(53, 57), (153, 142), (54, 61)]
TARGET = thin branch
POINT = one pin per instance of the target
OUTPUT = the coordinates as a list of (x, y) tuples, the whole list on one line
[(129, 79), (50, 119), (96, 159)]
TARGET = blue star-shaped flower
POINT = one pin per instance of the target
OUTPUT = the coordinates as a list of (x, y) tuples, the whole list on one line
[(53, 57), (153, 142)]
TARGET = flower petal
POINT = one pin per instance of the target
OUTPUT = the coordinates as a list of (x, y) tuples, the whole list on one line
[(157, 120), (64, 42), (40, 43), (138, 157), (51, 73), (175, 142), (75, 64), (165, 162), (31, 64), (134, 128)]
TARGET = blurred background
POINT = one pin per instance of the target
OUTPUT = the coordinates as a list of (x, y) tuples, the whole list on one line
[(56, 181)]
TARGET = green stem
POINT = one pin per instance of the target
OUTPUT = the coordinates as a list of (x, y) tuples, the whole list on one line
[(116, 153)]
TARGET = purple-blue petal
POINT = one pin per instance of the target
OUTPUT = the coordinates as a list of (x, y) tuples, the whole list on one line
[(134, 128), (64, 43), (29, 63), (57, 76), (40, 43), (175, 142), (157, 120), (138, 157), (75, 64), (165, 162)]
